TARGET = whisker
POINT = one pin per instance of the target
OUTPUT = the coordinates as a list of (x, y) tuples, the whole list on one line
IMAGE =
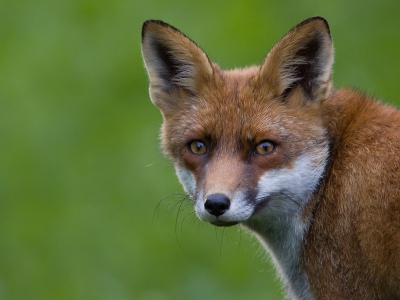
[(173, 197), (222, 240)]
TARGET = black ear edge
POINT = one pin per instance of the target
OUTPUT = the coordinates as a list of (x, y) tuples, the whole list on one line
[(313, 19), (158, 22), (166, 25)]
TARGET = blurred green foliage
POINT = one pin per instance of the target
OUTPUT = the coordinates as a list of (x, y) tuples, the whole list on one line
[(81, 175)]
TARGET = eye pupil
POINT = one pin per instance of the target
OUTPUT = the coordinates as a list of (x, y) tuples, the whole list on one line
[(197, 147), (265, 147)]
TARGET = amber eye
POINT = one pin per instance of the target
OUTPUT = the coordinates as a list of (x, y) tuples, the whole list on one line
[(197, 147), (265, 147)]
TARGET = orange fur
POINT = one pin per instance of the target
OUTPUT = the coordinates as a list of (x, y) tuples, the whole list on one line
[(353, 247), (325, 201)]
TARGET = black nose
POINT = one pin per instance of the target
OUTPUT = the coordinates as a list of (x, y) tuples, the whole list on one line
[(217, 204)]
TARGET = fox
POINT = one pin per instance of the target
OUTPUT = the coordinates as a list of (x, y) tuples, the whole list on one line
[(312, 171)]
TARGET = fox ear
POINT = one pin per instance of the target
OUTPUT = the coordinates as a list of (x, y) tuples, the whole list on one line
[(301, 63), (172, 60)]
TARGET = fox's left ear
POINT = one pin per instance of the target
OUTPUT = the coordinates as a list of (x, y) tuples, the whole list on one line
[(300, 64), (174, 63)]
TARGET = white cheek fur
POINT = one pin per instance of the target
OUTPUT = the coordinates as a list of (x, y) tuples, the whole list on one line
[(297, 182), (187, 180)]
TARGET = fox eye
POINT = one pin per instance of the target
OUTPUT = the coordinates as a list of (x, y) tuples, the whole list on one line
[(264, 147), (197, 147)]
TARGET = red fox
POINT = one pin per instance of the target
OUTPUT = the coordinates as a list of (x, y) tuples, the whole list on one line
[(313, 172)]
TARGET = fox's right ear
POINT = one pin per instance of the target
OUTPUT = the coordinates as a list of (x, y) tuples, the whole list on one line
[(173, 62)]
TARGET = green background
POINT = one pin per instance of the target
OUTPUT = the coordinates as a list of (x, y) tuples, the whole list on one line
[(81, 175)]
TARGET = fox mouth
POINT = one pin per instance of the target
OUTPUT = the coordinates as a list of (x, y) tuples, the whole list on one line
[(223, 224)]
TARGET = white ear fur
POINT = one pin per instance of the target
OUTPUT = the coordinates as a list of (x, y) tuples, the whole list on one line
[(302, 59), (172, 60)]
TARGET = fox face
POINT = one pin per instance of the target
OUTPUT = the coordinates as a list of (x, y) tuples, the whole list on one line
[(248, 142), (252, 158)]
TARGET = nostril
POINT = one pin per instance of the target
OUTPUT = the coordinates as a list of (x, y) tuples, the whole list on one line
[(217, 204)]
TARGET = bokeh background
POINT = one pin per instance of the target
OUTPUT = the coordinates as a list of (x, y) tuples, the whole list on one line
[(89, 208)]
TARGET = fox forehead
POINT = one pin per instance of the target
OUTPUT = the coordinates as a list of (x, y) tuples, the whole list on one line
[(234, 110)]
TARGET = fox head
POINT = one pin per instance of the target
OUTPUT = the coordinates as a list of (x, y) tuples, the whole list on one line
[(245, 143)]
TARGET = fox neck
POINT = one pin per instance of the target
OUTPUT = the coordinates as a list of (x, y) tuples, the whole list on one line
[(282, 236)]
